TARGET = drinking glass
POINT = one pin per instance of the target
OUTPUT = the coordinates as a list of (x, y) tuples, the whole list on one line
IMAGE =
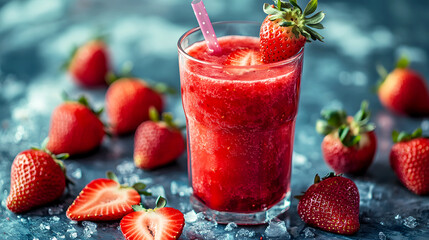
[(240, 129)]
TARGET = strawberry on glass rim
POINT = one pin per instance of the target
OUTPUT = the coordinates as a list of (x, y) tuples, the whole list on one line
[(287, 28), (283, 33)]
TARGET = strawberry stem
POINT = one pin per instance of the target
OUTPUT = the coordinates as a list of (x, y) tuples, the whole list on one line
[(403, 62), (153, 114)]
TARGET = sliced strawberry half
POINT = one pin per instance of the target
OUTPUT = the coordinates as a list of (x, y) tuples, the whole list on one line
[(105, 199), (161, 223), (243, 57)]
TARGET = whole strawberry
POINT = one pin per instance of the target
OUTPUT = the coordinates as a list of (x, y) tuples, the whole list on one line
[(37, 178), (287, 28), (331, 204), (163, 223), (75, 128), (89, 64), (350, 142), (404, 91), (409, 159), (157, 143), (128, 101)]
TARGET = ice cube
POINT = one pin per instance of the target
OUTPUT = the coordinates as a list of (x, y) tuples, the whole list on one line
[(242, 233), (398, 217), (44, 226), (276, 229), (180, 188), (125, 167), (90, 228), (191, 217), (230, 226), (157, 190), (309, 232), (56, 210), (77, 173), (381, 236), (54, 238), (55, 218), (410, 222), (72, 233)]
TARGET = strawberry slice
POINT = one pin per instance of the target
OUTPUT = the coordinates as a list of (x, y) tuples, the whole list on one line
[(244, 57), (105, 199), (161, 223)]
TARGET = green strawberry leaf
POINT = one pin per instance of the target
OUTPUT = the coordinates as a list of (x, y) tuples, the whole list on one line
[(161, 202), (62, 156), (405, 137), (139, 187), (268, 9), (110, 175), (363, 115), (323, 127), (138, 208), (403, 62), (317, 26), (347, 138), (295, 4), (153, 114), (286, 24), (310, 8), (335, 118), (316, 18)]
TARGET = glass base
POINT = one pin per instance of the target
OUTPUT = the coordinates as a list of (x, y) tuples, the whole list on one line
[(255, 218)]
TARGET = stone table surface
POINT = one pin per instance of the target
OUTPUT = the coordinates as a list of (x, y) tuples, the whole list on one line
[(36, 37)]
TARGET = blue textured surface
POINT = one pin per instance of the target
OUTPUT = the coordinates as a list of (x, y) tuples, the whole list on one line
[(36, 37)]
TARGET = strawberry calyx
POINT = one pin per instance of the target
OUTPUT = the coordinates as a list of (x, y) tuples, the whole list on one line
[(126, 72), (349, 129), (167, 118), (317, 180), (160, 203), (139, 187), (291, 15), (84, 101), (405, 137), (402, 63)]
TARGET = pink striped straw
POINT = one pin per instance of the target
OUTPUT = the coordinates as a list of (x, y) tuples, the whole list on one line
[(206, 26)]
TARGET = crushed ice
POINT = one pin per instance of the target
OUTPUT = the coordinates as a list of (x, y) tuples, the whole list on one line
[(230, 226), (244, 233), (410, 222), (309, 232), (276, 229)]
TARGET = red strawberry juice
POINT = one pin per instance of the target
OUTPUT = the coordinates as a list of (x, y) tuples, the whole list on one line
[(240, 123)]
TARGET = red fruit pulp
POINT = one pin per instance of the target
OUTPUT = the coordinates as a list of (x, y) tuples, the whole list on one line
[(240, 127)]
